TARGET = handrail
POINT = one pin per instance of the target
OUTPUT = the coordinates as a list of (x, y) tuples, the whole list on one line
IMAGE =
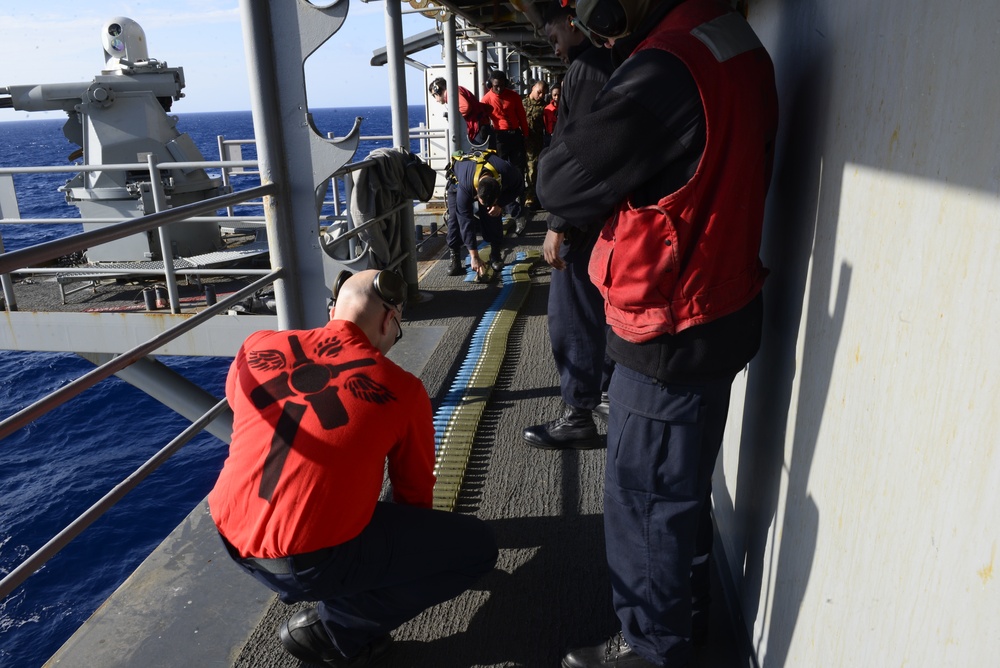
[(49, 250), (227, 220), (118, 271), (418, 134), (28, 567), (21, 261), (91, 378), (122, 228), (15, 262), (128, 166), (353, 232)]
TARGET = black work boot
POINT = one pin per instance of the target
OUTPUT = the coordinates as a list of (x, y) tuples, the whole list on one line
[(303, 637), (602, 408), (522, 222), (456, 268), (615, 653), (575, 430)]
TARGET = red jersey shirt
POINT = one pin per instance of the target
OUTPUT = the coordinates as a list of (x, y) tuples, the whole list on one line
[(316, 415), (508, 110)]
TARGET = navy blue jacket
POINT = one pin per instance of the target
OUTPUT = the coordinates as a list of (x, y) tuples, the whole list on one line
[(588, 71), (466, 204)]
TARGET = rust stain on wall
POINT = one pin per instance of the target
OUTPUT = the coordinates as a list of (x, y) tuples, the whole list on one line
[(986, 572)]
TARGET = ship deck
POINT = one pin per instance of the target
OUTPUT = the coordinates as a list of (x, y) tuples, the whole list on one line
[(189, 605)]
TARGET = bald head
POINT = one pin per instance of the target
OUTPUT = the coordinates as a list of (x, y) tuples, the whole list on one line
[(360, 303)]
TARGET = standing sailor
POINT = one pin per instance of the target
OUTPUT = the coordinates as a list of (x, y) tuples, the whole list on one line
[(688, 123), (576, 308)]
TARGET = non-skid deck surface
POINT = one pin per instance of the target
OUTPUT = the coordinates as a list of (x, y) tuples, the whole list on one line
[(550, 590)]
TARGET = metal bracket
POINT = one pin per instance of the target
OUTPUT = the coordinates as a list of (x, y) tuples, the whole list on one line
[(318, 24)]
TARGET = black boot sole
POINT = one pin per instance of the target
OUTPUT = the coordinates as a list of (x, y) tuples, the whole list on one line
[(579, 444)]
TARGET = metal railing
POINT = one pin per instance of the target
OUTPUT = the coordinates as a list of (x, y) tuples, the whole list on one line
[(30, 566), (22, 260), (281, 204), (186, 213)]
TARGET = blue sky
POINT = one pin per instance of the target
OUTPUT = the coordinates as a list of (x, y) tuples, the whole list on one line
[(56, 41)]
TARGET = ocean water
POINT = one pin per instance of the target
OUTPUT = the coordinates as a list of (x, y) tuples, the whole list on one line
[(58, 466)]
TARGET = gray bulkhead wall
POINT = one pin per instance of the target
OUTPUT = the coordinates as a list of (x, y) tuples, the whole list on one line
[(857, 491)]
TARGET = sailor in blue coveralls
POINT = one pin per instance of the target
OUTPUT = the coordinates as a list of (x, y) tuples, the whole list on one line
[(480, 185)]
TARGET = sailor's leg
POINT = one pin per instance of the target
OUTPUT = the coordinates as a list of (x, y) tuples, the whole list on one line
[(663, 440), (492, 230), (577, 331), (454, 238), (406, 560)]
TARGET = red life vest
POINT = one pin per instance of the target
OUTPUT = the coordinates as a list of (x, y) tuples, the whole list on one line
[(693, 256)]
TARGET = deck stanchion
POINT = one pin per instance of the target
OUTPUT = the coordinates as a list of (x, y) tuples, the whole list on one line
[(166, 246), (10, 303)]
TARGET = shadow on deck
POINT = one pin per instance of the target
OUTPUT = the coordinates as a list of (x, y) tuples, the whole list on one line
[(188, 605)]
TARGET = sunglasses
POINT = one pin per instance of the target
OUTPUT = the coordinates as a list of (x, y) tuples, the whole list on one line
[(399, 325)]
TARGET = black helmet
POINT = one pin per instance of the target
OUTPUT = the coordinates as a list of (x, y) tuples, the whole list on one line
[(612, 19)]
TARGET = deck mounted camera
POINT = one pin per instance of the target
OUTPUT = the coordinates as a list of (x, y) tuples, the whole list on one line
[(120, 118), (124, 42)]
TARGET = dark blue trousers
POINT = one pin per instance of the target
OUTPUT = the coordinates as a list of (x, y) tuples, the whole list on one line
[(663, 440), (577, 331), (490, 227), (406, 560), (510, 146)]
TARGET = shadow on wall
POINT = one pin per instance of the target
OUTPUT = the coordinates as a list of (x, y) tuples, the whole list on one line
[(802, 186)]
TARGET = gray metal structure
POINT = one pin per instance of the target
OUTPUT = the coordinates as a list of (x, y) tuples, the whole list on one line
[(456, 126), (294, 156), (117, 118)]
